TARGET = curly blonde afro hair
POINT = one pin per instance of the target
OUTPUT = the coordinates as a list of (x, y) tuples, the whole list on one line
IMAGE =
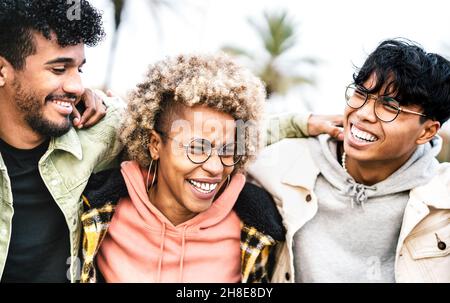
[(214, 81)]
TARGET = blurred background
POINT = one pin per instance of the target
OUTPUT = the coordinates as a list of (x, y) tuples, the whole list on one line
[(305, 51)]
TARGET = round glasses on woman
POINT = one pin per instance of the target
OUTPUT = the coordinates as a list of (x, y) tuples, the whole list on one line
[(199, 150), (386, 108)]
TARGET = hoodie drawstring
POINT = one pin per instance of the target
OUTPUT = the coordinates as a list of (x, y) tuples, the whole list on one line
[(161, 252), (183, 248), (358, 192)]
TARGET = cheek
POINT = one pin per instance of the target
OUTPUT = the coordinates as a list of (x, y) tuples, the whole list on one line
[(227, 171), (347, 113), (43, 81), (175, 167), (399, 138)]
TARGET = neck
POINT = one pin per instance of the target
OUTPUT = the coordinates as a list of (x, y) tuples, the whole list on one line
[(367, 173), (15, 131), (168, 206), (372, 172)]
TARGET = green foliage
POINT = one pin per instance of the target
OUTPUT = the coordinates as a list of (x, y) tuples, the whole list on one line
[(278, 35)]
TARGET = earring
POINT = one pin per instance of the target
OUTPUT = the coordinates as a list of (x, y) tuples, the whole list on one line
[(228, 180), (148, 175), (154, 175)]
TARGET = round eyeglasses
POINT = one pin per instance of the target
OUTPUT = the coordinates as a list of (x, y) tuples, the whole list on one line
[(199, 150), (386, 108)]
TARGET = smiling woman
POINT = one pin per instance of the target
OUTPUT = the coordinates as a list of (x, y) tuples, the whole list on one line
[(190, 129)]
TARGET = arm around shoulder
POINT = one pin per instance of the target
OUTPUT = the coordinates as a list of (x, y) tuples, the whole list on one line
[(293, 125), (106, 132)]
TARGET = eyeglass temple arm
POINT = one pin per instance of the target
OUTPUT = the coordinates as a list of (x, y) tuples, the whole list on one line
[(411, 112)]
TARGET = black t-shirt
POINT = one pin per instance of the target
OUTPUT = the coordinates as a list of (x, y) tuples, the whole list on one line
[(40, 242)]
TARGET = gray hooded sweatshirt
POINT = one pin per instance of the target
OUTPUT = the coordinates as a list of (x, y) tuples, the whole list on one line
[(354, 234)]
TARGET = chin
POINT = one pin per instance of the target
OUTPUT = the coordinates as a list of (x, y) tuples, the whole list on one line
[(51, 129), (199, 207), (360, 155)]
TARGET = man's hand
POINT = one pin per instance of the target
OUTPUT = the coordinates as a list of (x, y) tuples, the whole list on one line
[(326, 124), (94, 111)]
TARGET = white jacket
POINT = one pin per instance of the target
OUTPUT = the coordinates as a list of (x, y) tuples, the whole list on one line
[(287, 170)]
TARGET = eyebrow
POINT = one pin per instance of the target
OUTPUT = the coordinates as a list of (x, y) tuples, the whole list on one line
[(64, 60)]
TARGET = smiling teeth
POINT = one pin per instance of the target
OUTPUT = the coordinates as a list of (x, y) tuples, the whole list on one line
[(204, 187), (362, 135), (61, 103)]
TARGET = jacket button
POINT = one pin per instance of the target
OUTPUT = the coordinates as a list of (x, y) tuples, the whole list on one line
[(287, 276), (308, 198), (442, 245)]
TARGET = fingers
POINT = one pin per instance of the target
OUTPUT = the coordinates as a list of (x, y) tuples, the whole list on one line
[(334, 131), (94, 111), (76, 115), (98, 113), (325, 124), (88, 113), (110, 93), (89, 104), (337, 120)]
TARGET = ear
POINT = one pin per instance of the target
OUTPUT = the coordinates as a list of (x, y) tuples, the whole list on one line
[(155, 145), (429, 130), (5, 71)]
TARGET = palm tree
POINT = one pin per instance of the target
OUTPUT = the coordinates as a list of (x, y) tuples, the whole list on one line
[(278, 35), (155, 7)]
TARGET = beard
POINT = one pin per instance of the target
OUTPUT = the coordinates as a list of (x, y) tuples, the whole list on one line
[(31, 106)]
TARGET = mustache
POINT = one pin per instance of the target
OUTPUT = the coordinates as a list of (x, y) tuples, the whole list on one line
[(64, 97)]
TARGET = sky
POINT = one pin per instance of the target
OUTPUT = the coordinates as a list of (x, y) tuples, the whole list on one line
[(339, 34)]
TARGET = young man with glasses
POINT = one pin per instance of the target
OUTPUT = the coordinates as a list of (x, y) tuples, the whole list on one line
[(375, 208)]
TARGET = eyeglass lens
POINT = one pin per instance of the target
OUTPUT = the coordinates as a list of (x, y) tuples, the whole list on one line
[(199, 151), (386, 108)]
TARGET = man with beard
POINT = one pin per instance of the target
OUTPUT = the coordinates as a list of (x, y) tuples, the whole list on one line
[(45, 162)]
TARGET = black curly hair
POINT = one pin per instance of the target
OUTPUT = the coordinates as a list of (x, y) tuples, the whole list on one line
[(414, 76), (19, 19)]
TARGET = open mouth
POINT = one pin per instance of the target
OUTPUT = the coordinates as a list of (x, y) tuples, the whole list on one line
[(203, 187), (362, 136), (63, 107), (63, 103)]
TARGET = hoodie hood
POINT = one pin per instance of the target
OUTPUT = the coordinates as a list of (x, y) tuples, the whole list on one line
[(135, 176), (416, 171), (140, 234)]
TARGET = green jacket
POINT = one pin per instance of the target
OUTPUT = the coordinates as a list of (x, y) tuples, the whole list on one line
[(286, 126), (65, 169)]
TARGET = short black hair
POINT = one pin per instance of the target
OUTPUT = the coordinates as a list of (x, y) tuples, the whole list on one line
[(19, 19), (413, 76)]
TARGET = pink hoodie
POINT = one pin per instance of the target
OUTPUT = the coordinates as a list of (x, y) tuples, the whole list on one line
[(142, 245)]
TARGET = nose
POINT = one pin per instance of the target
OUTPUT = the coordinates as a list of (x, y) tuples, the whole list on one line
[(213, 165), (73, 84), (367, 111)]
